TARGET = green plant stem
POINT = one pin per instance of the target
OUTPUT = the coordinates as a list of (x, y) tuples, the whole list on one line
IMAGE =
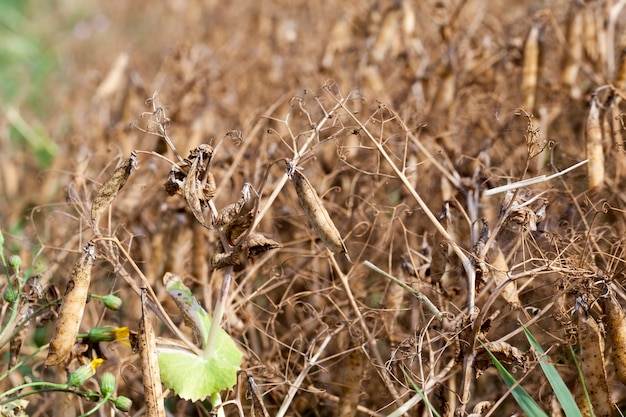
[(7, 330), (23, 361), (98, 406), (216, 401), (218, 315), (34, 384), (429, 304), (85, 394)]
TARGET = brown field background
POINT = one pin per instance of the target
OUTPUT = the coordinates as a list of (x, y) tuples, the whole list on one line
[(450, 73)]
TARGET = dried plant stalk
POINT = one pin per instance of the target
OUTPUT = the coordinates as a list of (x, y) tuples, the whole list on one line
[(315, 211), (530, 71), (72, 308), (616, 331), (593, 365), (149, 364), (594, 137), (112, 187)]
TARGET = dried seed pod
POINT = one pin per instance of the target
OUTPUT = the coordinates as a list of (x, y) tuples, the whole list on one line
[(616, 331), (574, 53), (351, 386), (530, 71), (340, 40), (499, 269), (72, 308), (258, 408), (594, 137), (389, 30), (315, 211), (620, 77), (112, 187), (592, 364), (153, 392)]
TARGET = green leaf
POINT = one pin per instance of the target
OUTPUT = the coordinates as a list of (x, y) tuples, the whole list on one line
[(195, 377), (558, 385), (193, 313), (525, 401), (421, 394), (191, 376)]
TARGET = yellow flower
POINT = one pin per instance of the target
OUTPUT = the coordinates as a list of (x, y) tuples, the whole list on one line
[(82, 374), (109, 334)]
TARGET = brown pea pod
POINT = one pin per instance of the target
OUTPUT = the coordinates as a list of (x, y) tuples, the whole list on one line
[(72, 308), (315, 211), (593, 364), (112, 187), (615, 319)]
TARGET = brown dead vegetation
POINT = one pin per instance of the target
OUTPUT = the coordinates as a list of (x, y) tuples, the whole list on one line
[(397, 117)]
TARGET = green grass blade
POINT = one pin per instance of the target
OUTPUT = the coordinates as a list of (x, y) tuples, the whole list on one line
[(556, 382), (422, 394), (525, 401)]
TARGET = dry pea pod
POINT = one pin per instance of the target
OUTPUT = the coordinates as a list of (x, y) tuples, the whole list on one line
[(620, 77), (592, 364), (258, 408), (498, 270), (72, 308), (594, 137), (616, 330), (112, 187), (315, 211), (389, 30), (574, 54), (530, 70)]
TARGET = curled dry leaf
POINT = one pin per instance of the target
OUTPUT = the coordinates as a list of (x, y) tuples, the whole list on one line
[(315, 211), (191, 191), (257, 243), (232, 211), (72, 308), (254, 243), (616, 331), (112, 187)]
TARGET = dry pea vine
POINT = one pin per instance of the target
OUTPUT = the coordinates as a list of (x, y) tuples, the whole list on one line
[(456, 234)]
